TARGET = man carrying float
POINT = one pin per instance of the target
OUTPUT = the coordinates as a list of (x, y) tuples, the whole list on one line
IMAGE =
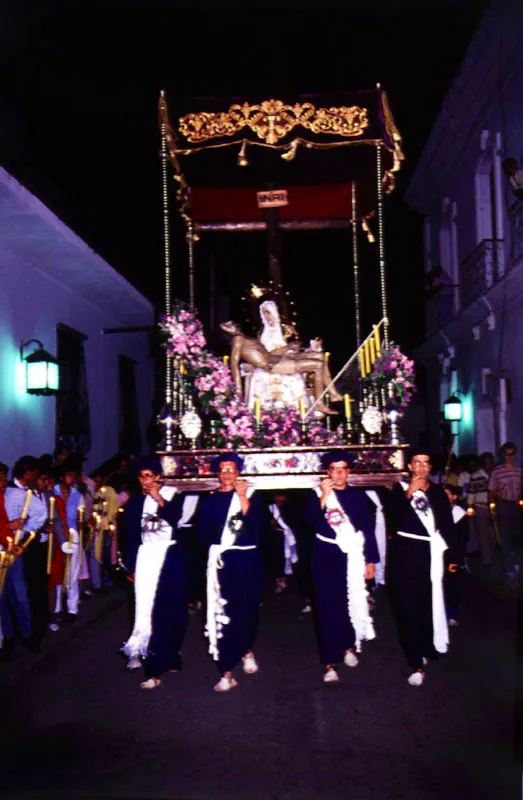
[(344, 556), (156, 563), (229, 525)]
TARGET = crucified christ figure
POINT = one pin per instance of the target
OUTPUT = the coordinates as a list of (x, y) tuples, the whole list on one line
[(290, 362)]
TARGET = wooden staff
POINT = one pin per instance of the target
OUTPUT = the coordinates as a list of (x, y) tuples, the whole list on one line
[(28, 541), (23, 515), (67, 571), (98, 537), (6, 559), (50, 541), (81, 510)]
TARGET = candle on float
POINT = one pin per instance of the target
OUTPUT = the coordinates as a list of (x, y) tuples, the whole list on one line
[(377, 342), (346, 401), (366, 355), (226, 360), (302, 408), (470, 511), (257, 409), (361, 360), (372, 350), (327, 356), (52, 501)]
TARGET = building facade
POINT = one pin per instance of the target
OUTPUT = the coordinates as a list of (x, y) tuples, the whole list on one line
[(473, 241), (54, 289)]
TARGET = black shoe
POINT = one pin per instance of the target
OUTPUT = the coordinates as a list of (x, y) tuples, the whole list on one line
[(32, 644), (7, 653), (69, 618)]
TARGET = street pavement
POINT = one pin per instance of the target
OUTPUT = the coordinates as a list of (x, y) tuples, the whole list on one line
[(75, 724)]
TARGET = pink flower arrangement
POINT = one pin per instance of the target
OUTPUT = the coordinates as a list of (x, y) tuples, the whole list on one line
[(392, 369), (185, 332), (279, 426)]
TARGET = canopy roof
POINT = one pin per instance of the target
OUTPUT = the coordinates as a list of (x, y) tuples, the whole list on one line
[(316, 147)]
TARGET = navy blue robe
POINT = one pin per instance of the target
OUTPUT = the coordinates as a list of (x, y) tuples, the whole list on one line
[(409, 563), (453, 581), (329, 571), (241, 577), (170, 609)]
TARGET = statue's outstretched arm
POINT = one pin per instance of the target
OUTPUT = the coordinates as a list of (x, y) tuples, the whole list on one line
[(235, 362)]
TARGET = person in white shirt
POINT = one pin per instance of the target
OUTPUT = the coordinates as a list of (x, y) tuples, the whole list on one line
[(14, 600), (477, 499)]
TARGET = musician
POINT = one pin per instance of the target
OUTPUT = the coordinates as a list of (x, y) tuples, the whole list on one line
[(14, 600), (102, 526), (229, 526), (68, 475), (35, 558), (157, 566)]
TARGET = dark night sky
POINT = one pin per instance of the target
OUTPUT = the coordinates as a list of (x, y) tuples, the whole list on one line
[(80, 85)]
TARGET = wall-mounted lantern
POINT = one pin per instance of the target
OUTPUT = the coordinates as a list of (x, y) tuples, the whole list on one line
[(41, 369), (452, 409)]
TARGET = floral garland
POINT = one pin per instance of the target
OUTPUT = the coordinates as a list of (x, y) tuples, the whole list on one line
[(218, 396), (393, 370)]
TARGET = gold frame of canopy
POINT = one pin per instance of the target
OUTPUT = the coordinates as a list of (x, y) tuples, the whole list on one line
[(269, 124), (272, 120)]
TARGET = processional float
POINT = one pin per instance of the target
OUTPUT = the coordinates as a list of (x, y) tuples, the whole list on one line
[(313, 163)]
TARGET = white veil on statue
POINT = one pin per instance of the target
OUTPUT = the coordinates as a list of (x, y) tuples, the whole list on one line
[(269, 388), (272, 335)]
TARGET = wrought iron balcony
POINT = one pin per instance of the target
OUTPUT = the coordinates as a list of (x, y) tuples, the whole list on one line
[(482, 268), (516, 230)]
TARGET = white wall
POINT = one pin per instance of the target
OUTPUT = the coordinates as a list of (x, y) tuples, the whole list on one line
[(31, 305)]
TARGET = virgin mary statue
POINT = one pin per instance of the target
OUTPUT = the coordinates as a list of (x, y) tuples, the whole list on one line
[(270, 388)]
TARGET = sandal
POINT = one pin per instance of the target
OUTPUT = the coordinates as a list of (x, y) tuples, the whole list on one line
[(224, 684), (150, 683), (330, 675), (249, 664)]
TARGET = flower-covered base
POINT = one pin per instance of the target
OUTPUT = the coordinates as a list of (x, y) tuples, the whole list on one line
[(294, 467)]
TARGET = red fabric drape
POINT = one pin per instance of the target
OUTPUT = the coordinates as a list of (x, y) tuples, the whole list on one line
[(325, 201)]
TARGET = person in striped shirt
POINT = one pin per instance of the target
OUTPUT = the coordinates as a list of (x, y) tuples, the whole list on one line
[(504, 500)]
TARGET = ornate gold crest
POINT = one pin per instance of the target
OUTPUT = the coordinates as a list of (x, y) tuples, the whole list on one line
[(272, 120)]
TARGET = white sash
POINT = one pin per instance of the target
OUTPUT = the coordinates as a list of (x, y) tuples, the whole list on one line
[(381, 536), (149, 562), (351, 542), (216, 616), (458, 513), (289, 540), (438, 546)]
